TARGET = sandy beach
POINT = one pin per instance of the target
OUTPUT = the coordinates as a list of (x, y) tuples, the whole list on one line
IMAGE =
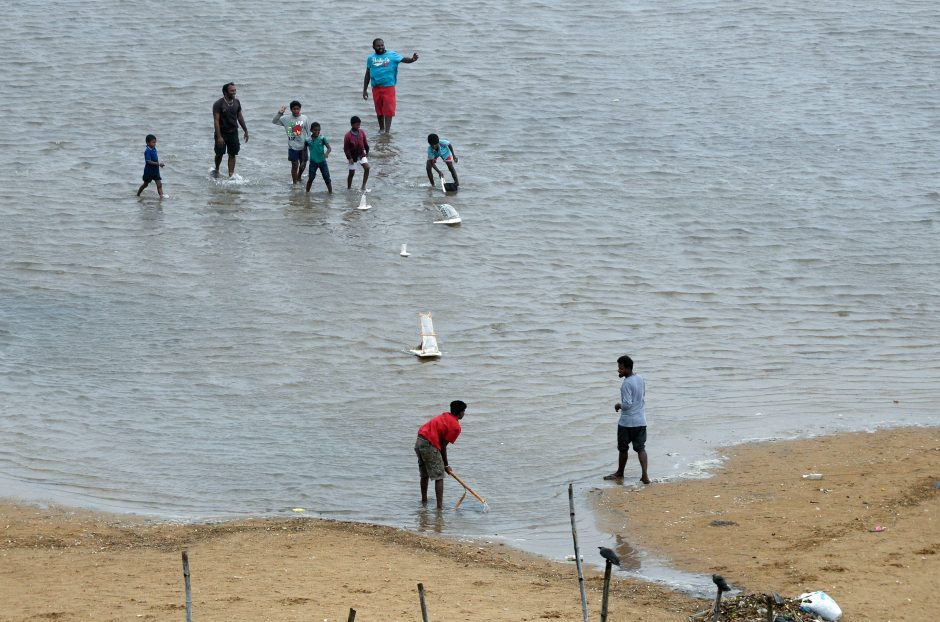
[(867, 533)]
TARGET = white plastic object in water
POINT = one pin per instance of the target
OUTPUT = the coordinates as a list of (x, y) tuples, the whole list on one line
[(363, 204), (428, 347), (822, 605), (404, 251), (449, 215)]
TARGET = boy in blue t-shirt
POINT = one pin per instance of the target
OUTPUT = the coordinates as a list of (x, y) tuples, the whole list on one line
[(152, 166), (319, 148), (441, 148)]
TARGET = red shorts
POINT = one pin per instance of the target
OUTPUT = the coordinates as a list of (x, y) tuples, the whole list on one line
[(384, 99)]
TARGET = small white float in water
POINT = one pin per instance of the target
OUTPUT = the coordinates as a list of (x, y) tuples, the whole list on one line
[(363, 204), (428, 346), (404, 251), (449, 215)]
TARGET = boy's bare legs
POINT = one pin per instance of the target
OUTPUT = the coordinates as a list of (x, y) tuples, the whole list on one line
[(453, 171), (388, 125), (621, 465), (159, 188), (430, 167), (424, 490), (381, 120), (365, 175), (643, 475), (439, 493), (294, 177), (231, 164), (142, 186), (349, 178), (218, 163)]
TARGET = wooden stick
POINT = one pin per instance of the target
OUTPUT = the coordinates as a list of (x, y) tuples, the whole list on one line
[(606, 591), (352, 615), (577, 553), (424, 606), (470, 490), (189, 592)]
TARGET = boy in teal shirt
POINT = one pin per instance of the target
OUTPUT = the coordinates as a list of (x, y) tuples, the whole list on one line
[(318, 156), (441, 148)]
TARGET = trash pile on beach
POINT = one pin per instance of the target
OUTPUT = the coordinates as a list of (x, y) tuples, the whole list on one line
[(754, 608)]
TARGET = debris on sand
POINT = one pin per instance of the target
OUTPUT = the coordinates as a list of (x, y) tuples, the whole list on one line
[(754, 607)]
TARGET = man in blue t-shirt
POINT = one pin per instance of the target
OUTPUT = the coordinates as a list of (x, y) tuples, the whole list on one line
[(631, 428), (382, 74)]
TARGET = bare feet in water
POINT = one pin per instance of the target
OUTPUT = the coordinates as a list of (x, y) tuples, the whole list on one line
[(614, 477)]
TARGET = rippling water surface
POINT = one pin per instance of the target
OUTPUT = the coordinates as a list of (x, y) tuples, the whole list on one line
[(742, 196)]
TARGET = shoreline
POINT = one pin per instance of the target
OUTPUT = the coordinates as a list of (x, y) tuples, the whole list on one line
[(755, 520)]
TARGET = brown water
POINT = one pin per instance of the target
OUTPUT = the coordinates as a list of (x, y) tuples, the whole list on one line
[(741, 197)]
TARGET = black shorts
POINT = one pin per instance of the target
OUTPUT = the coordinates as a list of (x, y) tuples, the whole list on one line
[(626, 435), (149, 177), (230, 144)]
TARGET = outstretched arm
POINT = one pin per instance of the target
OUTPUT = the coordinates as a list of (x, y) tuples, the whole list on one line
[(413, 58), (277, 118)]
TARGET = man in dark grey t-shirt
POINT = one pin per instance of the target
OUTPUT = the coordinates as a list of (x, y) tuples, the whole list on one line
[(227, 115)]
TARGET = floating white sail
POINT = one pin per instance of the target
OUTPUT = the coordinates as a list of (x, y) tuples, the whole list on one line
[(428, 347), (449, 215)]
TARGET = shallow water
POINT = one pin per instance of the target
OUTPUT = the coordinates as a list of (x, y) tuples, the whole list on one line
[(741, 197)]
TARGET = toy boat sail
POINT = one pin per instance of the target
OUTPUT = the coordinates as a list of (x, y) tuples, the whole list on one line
[(449, 215), (428, 346)]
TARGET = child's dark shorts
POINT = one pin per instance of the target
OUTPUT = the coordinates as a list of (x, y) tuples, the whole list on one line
[(626, 435), (229, 143), (149, 177), (296, 155)]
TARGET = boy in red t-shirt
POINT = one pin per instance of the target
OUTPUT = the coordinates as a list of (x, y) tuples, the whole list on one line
[(431, 447)]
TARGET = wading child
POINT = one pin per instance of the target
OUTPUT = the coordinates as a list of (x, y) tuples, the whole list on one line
[(152, 166), (431, 447), (318, 156), (356, 148), (298, 131), (441, 148)]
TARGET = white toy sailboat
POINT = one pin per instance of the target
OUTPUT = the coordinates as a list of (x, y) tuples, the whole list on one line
[(363, 204), (428, 346), (449, 215)]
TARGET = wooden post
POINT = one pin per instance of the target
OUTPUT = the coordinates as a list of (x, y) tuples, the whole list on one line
[(577, 552), (352, 615), (189, 591), (424, 607), (606, 591)]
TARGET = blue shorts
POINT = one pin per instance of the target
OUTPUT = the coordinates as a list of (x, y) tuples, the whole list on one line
[(322, 167), (296, 155), (149, 177)]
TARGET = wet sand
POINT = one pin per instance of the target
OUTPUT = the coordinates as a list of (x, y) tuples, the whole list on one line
[(867, 533), (757, 522)]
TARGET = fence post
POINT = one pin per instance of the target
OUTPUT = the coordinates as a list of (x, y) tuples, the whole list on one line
[(577, 553), (189, 591)]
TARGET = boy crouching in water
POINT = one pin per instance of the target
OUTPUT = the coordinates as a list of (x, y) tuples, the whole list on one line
[(441, 148), (431, 448)]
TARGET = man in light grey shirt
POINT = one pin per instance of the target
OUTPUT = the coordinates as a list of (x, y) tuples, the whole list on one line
[(631, 428)]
